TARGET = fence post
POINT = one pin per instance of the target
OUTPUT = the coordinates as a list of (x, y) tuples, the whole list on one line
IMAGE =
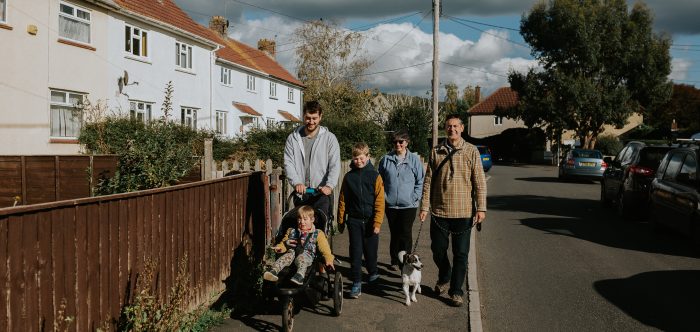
[(24, 180), (208, 158), (57, 178), (275, 201)]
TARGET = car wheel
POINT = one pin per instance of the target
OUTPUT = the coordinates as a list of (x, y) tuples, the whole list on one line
[(604, 201), (623, 211)]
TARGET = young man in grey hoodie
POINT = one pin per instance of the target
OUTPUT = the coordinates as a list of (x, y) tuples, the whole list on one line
[(312, 157)]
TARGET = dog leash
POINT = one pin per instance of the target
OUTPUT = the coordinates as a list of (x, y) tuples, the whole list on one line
[(449, 231), (415, 246)]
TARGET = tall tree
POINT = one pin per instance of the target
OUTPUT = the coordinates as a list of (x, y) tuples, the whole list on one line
[(600, 63), (330, 64), (683, 108)]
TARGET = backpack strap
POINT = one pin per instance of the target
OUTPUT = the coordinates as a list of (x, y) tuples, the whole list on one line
[(443, 162)]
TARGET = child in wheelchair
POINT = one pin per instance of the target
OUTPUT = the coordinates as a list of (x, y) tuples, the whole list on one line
[(299, 245)]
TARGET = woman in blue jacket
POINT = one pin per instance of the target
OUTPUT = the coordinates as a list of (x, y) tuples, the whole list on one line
[(402, 173)]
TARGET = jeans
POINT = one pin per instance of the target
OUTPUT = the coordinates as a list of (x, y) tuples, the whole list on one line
[(362, 241), (401, 229), (461, 231)]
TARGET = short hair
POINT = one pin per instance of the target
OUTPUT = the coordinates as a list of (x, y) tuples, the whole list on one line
[(305, 211), (360, 148), (313, 107), (454, 116), (401, 135)]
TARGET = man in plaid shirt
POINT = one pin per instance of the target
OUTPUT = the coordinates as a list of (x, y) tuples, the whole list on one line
[(454, 173)]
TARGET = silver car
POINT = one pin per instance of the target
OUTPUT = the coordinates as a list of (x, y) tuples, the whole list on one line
[(582, 164)]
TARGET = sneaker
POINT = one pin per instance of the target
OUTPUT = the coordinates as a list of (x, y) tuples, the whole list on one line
[(373, 278), (457, 300), (298, 279), (356, 290), (441, 288), (270, 276)]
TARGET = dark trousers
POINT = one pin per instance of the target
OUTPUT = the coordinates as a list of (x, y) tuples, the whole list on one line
[(401, 229), (362, 241), (460, 229)]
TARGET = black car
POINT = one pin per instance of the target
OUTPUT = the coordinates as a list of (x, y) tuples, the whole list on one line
[(628, 177), (674, 192)]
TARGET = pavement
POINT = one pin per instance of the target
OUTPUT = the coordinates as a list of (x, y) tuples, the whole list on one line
[(381, 306)]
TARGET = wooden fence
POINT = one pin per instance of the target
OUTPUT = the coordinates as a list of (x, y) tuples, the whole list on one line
[(83, 257)]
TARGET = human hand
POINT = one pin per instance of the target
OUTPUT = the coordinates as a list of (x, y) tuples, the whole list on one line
[(300, 188), (376, 230), (330, 265), (422, 215), (291, 243), (479, 218), (278, 250), (326, 190)]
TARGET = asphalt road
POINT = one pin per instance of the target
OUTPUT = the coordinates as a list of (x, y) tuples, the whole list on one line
[(551, 259)]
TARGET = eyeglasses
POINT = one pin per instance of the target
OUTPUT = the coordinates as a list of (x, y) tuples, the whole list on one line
[(400, 141)]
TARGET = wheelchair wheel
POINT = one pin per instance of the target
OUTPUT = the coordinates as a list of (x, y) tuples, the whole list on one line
[(338, 294), (287, 313)]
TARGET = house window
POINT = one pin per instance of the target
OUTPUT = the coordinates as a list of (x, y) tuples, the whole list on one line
[(3, 10), (225, 76), (140, 110), (271, 122), (248, 122), (220, 122), (188, 117), (290, 95), (66, 113), (273, 90), (183, 55), (136, 41), (497, 120), (73, 23), (251, 83)]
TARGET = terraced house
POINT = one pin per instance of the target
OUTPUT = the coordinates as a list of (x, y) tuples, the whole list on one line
[(122, 53)]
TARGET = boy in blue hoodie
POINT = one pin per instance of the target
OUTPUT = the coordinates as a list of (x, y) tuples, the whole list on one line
[(361, 208)]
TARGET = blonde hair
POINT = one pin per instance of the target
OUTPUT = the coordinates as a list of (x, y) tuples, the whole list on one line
[(305, 211), (360, 148)]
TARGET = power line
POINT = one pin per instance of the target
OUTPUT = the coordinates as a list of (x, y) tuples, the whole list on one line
[(474, 69), (390, 70), (401, 39), (489, 33), (480, 23)]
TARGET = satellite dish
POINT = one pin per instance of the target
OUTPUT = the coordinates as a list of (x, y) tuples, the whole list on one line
[(126, 78)]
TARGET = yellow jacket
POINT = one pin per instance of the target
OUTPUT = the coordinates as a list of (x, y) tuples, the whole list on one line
[(321, 244)]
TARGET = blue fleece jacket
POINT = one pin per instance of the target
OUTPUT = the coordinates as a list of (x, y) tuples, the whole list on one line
[(403, 181)]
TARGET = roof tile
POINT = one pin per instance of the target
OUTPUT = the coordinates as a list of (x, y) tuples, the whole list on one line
[(246, 109), (503, 97)]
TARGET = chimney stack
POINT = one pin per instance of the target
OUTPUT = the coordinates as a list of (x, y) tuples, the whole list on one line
[(267, 46), (219, 24), (477, 94)]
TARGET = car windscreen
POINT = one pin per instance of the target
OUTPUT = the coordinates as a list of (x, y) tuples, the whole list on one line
[(587, 154), (651, 156), (483, 150)]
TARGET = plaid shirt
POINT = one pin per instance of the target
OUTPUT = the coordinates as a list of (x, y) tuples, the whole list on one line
[(451, 194)]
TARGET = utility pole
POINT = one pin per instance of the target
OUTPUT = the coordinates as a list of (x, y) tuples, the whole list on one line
[(436, 68)]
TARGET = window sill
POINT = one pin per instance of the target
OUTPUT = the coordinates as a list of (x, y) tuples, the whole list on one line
[(76, 44), (291, 101), (63, 140), (5, 26), (252, 91), (186, 71), (271, 97), (227, 85), (138, 58)]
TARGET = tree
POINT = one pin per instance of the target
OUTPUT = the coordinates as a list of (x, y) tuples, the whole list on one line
[(413, 117), (683, 108), (600, 63), (330, 65)]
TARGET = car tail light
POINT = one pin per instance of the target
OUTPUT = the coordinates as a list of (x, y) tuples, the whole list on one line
[(570, 162), (640, 170), (603, 165)]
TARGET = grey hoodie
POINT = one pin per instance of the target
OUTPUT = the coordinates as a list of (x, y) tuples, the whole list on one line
[(325, 159)]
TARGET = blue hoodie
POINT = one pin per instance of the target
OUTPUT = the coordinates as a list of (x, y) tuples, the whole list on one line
[(403, 183)]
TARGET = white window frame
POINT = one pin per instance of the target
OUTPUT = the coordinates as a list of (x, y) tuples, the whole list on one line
[(290, 95), (226, 74), (188, 116), (144, 108), (74, 17), (250, 83), (273, 90), (270, 122), (3, 17), (254, 122), (221, 122), (183, 49), (77, 112), (141, 37), (497, 120)]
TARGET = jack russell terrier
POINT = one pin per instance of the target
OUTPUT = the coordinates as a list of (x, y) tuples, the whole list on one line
[(410, 275)]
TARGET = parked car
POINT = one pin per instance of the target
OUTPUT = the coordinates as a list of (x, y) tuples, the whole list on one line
[(582, 164), (486, 161), (627, 179), (674, 192)]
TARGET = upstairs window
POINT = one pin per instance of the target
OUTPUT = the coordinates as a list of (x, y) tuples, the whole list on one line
[(220, 122), (188, 117), (497, 120), (141, 111), (73, 22), (136, 41), (225, 76), (250, 85), (66, 113), (273, 90), (290, 95), (183, 55), (3, 10), (271, 122)]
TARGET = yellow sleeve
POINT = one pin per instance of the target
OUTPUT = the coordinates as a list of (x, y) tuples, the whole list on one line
[(324, 247), (378, 202), (341, 203)]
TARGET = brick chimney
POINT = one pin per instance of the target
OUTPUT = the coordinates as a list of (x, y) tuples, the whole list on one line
[(267, 46), (477, 94), (219, 24)]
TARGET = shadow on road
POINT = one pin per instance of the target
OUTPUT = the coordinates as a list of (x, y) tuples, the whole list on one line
[(547, 179), (585, 219), (667, 300)]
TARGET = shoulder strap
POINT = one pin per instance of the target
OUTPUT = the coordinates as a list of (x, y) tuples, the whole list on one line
[(442, 163)]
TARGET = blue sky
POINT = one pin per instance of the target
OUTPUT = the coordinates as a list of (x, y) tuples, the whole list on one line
[(472, 53)]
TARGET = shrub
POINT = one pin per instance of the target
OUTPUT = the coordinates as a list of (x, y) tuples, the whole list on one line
[(609, 145), (353, 131), (416, 121)]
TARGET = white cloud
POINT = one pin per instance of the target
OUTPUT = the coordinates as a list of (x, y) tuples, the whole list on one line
[(679, 69)]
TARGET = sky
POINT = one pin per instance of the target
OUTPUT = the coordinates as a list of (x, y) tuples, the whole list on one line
[(479, 42)]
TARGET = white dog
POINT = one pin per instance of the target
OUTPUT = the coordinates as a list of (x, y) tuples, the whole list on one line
[(410, 275)]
